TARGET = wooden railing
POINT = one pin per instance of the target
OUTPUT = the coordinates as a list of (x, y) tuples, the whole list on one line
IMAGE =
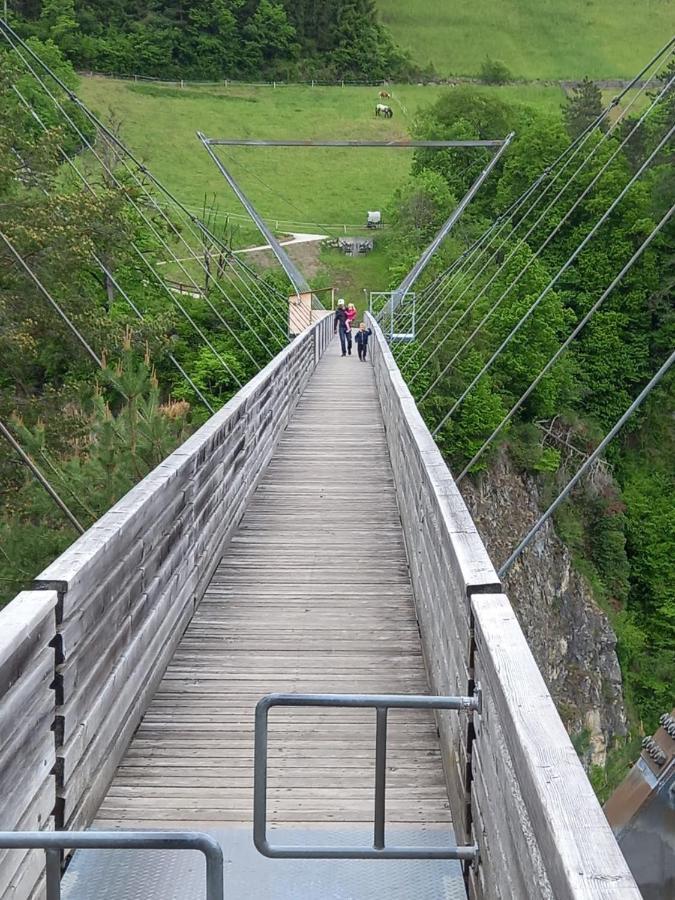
[(114, 605), (27, 751), (515, 784)]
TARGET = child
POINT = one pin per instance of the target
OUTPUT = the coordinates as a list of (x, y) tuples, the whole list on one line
[(361, 339), (351, 312)]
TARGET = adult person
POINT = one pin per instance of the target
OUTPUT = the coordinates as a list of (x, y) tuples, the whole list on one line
[(341, 323)]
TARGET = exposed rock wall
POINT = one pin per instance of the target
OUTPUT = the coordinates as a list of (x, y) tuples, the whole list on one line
[(569, 634)]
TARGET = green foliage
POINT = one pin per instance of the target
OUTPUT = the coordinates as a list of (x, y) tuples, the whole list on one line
[(215, 39), (494, 71), (582, 107)]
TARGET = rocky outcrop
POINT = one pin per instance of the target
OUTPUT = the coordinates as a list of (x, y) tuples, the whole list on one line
[(569, 634)]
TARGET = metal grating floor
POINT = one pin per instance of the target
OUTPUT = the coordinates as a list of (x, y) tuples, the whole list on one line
[(159, 875)]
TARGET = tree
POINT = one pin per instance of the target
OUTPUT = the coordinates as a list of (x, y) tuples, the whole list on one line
[(582, 108)]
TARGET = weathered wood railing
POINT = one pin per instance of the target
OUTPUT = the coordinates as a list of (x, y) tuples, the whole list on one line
[(27, 752), (515, 784), (118, 600)]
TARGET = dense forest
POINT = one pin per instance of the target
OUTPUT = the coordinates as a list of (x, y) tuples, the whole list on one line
[(216, 39), (620, 526)]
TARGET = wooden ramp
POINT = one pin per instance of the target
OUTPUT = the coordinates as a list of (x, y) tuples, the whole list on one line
[(312, 595)]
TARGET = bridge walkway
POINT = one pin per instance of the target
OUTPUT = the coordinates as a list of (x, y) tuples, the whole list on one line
[(312, 594)]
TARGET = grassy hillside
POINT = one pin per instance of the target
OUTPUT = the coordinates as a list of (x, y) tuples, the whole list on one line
[(535, 38), (294, 185)]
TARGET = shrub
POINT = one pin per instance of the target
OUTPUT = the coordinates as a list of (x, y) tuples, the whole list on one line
[(494, 71)]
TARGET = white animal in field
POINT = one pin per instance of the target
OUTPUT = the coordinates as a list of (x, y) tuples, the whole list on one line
[(382, 110)]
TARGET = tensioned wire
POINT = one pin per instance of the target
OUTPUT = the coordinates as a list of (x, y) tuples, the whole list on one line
[(436, 292), (64, 317), (40, 477), (192, 220), (611, 434), (571, 151), (556, 356), (557, 276), (523, 240), (498, 225), (546, 242), (151, 226), (143, 189), (602, 115), (100, 264)]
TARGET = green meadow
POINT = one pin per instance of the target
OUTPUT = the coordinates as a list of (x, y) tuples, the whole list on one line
[(556, 39), (294, 188)]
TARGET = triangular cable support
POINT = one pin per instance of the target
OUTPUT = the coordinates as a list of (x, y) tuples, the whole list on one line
[(410, 279)]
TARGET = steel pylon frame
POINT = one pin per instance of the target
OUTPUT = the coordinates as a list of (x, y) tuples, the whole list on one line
[(294, 274)]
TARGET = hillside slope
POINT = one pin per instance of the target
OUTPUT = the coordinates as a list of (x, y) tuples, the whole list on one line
[(549, 39)]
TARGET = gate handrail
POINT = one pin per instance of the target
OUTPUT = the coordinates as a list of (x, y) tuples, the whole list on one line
[(381, 703), (52, 842)]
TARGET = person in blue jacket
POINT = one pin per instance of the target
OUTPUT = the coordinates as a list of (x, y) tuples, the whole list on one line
[(361, 338)]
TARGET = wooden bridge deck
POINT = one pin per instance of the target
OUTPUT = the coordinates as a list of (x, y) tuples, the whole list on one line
[(312, 594)]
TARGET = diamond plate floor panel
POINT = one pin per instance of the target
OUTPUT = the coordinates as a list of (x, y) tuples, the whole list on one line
[(179, 875)]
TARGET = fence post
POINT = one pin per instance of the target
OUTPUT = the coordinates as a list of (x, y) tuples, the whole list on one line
[(343, 82)]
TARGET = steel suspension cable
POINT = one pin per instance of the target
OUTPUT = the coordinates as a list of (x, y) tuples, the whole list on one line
[(580, 140), (48, 297), (522, 242), (557, 276), (28, 462), (556, 356), (644, 393), (477, 275), (532, 259), (193, 221), (138, 209), (98, 261)]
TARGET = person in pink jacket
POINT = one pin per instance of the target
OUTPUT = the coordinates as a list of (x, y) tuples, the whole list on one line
[(351, 312)]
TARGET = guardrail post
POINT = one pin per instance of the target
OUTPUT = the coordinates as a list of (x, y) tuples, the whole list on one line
[(53, 874)]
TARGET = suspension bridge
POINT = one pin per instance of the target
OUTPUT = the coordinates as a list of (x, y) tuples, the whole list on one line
[(305, 672)]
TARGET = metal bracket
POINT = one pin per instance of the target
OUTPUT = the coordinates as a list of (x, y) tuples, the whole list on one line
[(381, 703)]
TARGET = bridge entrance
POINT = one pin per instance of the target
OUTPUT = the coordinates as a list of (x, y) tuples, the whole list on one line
[(312, 594)]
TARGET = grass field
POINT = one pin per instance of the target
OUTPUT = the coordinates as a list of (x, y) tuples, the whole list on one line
[(296, 188), (557, 39)]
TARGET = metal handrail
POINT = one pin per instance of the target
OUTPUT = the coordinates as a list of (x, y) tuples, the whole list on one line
[(381, 703), (53, 842)]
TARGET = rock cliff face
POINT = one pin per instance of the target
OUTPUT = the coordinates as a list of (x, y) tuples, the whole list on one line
[(569, 634)]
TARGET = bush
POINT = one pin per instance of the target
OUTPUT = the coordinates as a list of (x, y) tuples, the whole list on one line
[(494, 71)]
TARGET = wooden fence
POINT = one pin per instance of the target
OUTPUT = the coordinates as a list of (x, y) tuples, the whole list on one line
[(515, 784)]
